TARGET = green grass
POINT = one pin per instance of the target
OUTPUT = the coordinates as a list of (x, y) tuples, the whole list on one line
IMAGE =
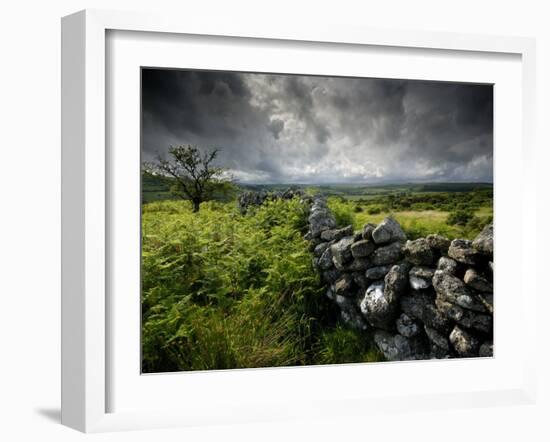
[(416, 223), (221, 290)]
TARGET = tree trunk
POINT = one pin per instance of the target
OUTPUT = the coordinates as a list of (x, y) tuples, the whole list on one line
[(196, 205)]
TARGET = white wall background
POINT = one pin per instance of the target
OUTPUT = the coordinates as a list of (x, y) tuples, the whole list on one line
[(30, 214)]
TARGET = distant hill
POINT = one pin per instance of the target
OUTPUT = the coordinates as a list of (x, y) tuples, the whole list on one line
[(156, 187)]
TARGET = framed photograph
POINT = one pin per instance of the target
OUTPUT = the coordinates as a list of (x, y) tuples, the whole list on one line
[(250, 213)]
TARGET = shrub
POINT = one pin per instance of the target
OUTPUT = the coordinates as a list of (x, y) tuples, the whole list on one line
[(459, 217), (342, 210), (374, 210)]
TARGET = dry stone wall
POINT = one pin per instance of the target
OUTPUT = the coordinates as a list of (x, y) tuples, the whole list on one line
[(425, 298)]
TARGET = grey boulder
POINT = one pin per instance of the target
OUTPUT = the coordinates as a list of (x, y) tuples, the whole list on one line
[(486, 349), (387, 231), (462, 251), (361, 249), (476, 281), (466, 318), (336, 234), (421, 277), (320, 248), (341, 252), (464, 343), (452, 289), (447, 265), (378, 310), (325, 260), (367, 231), (438, 242), (387, 254), (344, 286), (418, 252), (406, 326), (398, 347), (483, 242)]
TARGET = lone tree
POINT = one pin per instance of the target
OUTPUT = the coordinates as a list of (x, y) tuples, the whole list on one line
[(196, 179)]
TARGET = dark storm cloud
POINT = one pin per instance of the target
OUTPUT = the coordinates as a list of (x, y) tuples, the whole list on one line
[(283, 128)]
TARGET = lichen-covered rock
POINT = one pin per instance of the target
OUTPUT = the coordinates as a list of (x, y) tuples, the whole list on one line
[(487, 300), (330, 275), (465, 344), (396, 282), (320, 219), (361, 249), (461, 250), (421, 277), (414, 303), (438, 242), (407, 326), (400, 348), (313, 243), (433, 318), (486, 349), (437, 339), (325, 260), (476, 281), (418, 252), (447, 265), (452, 289), (387, 231), (367, 231), (376, 308), (320, 249), (344, 286), (336, 234), (420, 305), (358, 264), (483, 242), (466, 318), (354, 319), (341, 252), (389, 254), (381, 300), (378, 272)]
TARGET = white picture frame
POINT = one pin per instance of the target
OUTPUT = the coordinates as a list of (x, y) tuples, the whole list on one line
[(86, 209)]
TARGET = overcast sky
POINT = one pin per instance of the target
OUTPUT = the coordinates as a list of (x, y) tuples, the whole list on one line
[(304, 129)]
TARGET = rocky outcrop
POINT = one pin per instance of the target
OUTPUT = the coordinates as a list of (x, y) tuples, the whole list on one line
[(423, 298)]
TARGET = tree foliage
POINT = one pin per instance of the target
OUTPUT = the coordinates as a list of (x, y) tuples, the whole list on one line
[(196, 178)]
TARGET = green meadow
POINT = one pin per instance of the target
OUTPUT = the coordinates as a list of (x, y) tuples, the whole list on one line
[(223, 290)]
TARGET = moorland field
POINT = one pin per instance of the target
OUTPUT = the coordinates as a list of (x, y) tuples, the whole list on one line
[(225, 290)]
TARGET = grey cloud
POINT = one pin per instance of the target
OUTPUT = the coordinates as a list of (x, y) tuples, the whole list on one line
[(287, 128)]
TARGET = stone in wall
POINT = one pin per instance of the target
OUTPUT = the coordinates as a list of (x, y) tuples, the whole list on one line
[(418, 252), (387, 254), (484, 241), (421, 277), (461, 250)]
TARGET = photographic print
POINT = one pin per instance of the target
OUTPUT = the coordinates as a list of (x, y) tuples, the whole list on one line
[(295, 220)]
